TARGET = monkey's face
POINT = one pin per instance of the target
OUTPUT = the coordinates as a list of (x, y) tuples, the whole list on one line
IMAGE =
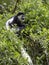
[(21, 18)]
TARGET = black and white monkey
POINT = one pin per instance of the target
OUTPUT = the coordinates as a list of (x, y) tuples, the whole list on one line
[(16, 20), (19, 19)]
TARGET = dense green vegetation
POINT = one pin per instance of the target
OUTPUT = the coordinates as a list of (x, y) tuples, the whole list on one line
[(35, 36)]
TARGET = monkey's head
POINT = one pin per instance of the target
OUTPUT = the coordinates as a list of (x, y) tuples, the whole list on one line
[(21, 16)]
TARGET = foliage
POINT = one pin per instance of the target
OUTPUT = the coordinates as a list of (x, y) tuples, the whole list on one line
[(35, 36)]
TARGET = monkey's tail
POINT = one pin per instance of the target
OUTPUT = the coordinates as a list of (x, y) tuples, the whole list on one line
[(25, 55)]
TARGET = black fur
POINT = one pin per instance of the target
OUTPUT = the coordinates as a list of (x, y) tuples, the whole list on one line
[(17, 21)]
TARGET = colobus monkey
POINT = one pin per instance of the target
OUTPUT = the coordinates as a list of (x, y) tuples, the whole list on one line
[(16, 20), (19, 19)]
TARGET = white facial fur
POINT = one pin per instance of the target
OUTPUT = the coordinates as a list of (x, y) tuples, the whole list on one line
[(21, 18)]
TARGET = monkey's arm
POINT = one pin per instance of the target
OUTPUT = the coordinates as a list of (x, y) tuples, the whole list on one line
[(9, 24)]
